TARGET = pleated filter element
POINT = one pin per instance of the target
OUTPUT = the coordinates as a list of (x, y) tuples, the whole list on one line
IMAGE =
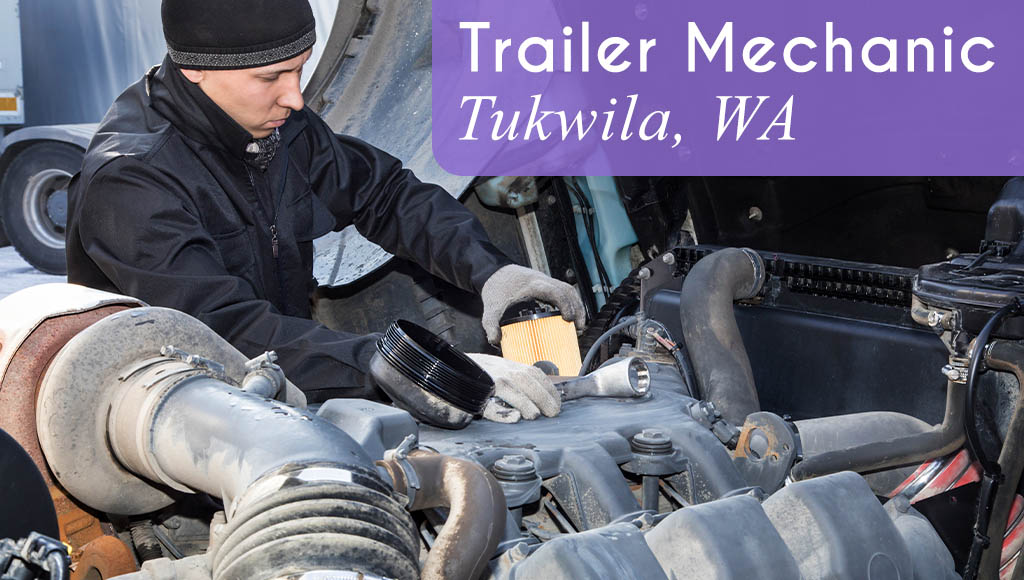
[(542, 336)]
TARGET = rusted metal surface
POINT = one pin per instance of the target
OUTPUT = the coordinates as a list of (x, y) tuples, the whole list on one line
[(21, 379), (103, 557), (775, 439), (476, 518), (92, 549)]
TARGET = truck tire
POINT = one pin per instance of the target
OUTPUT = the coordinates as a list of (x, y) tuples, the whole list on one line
[(35, 203)]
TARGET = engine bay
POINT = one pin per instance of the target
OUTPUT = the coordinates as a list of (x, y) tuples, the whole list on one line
[(753, 414)]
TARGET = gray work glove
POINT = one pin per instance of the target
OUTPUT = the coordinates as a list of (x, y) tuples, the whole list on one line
[(512, 284), (526, 389)]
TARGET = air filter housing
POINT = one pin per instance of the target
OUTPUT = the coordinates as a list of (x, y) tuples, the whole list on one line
[(531, 333)]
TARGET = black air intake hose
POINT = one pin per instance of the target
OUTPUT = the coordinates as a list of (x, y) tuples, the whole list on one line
[(709, 328), (323, 526)]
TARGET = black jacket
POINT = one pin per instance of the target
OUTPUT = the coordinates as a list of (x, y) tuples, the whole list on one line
[(166, 209)]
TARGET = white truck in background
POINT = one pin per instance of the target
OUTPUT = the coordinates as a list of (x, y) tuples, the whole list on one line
[(62, 63)]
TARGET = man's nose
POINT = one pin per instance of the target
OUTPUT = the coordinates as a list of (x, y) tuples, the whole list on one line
[(292, 97)]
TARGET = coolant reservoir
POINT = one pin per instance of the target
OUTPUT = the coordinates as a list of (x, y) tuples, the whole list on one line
[(531, 333)]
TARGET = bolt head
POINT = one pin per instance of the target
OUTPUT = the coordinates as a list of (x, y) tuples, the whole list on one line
[(755, 214), (515, 460), (934, 318), (669, 258), (644, 274), (652, 437), (514, 463)]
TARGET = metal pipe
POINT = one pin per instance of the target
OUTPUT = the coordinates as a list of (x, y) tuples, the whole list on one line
[(279, 470), (476, 517), (710, 331), (1009, 357), (173, 424), (651, 485), (940, 440)]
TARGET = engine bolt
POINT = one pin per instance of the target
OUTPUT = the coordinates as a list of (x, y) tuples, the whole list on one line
[(651, 442), (512, 468), (669, 258), (644, 274), (934, 318)]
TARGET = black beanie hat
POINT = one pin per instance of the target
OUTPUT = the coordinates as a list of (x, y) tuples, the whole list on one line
[(234, 34)]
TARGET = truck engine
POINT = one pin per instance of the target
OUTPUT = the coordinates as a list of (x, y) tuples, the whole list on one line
[(694, 443)]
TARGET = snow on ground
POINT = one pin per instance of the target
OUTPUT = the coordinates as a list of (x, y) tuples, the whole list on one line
[(15, 273)]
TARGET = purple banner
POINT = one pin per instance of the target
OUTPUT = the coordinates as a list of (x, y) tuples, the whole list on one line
[(744, 87)]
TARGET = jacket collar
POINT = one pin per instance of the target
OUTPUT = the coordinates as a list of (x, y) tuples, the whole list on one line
[(193, 113)]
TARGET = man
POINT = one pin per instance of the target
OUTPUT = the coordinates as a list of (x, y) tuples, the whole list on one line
[(208, 180)]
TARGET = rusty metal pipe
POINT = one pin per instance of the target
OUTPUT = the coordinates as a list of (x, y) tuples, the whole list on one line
[(476, 517)]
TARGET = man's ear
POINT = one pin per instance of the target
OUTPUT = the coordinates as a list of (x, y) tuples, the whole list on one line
[(193, 75)]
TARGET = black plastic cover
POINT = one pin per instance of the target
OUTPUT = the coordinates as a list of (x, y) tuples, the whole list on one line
[(24, 499)]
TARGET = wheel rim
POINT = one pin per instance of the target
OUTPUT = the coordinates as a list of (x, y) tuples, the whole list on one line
[(47, 187)]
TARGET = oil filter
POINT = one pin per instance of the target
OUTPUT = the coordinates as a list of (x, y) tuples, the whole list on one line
[(531, 333)]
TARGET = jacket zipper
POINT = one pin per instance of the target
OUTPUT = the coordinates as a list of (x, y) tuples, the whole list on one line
[(273, 223)]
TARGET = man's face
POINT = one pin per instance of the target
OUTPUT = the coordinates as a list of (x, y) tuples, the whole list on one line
[(258, 99)]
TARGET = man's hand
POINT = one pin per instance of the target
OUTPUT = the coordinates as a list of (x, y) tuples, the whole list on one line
[(526, 389), (512, 284)]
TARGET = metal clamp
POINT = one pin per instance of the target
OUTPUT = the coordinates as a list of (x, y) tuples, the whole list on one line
[(213, 368), (956, 370), (264, 377), (400, 455)]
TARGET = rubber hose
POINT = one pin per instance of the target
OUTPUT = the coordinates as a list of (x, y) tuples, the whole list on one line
[(596, 347), (323, 526), (941, 440), (973, 370), (476, 517), (1005, 356), (712, 337)]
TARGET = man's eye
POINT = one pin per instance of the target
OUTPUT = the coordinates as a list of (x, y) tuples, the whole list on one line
[(270, 78)]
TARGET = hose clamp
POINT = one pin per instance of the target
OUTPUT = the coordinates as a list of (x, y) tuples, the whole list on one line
[(759, 271), (400, 456)]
